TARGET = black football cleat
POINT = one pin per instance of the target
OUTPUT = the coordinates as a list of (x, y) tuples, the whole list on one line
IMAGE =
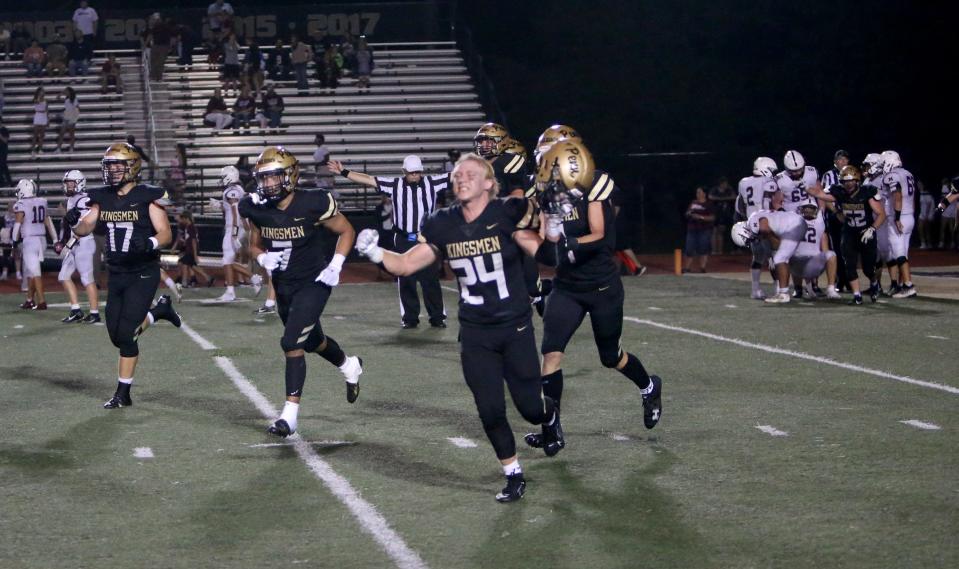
[(410, 325), (553, 440), (534, 440), (874, 291), (76, 315), (856, 300), (352, 392), (164, 311), (438, 324), (92, 318), (653, 403), (514, 489), (280, 428), (118, 401)]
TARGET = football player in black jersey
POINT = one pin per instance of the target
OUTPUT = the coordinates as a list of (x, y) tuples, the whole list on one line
[(485, 240), (860, 209), (133, 218), (579, 220), (288, 238)]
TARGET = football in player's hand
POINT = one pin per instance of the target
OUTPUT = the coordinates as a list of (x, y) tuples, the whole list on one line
[(58, 247)]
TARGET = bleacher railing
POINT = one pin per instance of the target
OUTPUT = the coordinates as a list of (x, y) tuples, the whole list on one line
[(148, 110)]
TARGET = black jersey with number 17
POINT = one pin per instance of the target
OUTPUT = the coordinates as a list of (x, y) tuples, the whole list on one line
[(486, 259), (125, 221)]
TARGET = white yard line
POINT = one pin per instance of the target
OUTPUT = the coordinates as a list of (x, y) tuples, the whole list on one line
[(800, 355), (311, 443), (770, 430), (143, 452), (365, 513), (938, 337), (461, 442), (621, 438), (921, 425)]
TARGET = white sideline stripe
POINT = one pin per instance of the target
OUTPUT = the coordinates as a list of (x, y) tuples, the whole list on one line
[(311, 443), (203, 342), (461, 442), (921, 425), (770, 430), (143, 452), (617, 437), (938, 337), (730, 306), (369, 518), (800, 355)]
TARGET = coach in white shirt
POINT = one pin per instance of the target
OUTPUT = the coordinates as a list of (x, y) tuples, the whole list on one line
[(85, 20)]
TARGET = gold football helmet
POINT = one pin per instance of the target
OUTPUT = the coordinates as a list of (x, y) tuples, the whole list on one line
[(554, 133), (490, 140), (849, 173), (121, 163), (514, 146), (277, 172), (563, 175)]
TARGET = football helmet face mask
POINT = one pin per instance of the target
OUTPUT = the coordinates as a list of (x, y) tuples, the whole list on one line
[(553, 134), (26, 189), (872, 164), (121, 164), (563, 175), (850, 178), (764, 166), (277, 172), (74, 182), (890, 160), (794, 163), (490, 140), (229, 176)]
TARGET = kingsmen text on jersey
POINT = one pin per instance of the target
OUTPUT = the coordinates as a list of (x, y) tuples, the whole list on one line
[(125, 220), (794, 191), (486, 260), (510, 170), (81, 202), (856, 207), (297, 228), (594, 269), (755, 193), (34, 212), (900, 180)]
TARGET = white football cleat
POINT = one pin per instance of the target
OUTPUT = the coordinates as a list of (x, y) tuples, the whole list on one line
[(226, 297), (758, 295), (781, 298)]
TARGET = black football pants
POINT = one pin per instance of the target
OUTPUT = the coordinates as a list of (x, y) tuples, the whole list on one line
[(428, 278), (565, 311), (853, 248), (129, 296)]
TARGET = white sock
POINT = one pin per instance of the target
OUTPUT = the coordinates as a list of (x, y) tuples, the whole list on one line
[(269, 303), (755, 273), (126, 380), (169, 283), (512, 468), (907, 284), (74, 307), (230, 290), (783, 290), (831, 288), (94, 311), (290, 410)]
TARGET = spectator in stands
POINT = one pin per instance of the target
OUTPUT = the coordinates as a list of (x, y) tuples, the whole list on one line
[(132, 141), (57, 57), (699, 230), (110, 75), (244, 108), (231, 62), (329, 70), (452, 155), (41, 118), (253, 67), (85, 21), (81, 53), (219, 15), (278, 63), (216, 114), (300, 55), (71, 114), (722, 197), (348, 51), (5, 43), (364, 64), (321, 160), (272, 108), (183, 43), (176, 176), (214, 51), (5, 179), (33, 58), (20, 38), (161, 35)]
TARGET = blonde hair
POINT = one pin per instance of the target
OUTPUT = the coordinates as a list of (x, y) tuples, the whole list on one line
[(490, 173)]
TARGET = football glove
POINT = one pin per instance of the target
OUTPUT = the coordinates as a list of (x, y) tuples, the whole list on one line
[(868, 234), (72, 217), (273, 259), (554, 227), (144, 245), (366, 245), (331, 274)]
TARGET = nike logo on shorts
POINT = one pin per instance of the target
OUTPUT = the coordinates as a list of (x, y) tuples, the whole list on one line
[(521, 328), (298, 218), (604, 287)]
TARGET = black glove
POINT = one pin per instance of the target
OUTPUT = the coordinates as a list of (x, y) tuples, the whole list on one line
[(72, 218), (144, 245)]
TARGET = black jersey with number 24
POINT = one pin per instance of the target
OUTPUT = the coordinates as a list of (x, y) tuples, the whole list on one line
[(486, 260), (125, 221)]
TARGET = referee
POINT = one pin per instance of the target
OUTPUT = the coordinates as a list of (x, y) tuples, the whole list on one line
[(414, 198)]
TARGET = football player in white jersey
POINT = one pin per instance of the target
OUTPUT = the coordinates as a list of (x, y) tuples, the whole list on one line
[(872, 176), (78, 253), (234, 230), (755, 193), (796, 181), (783, 230), (813, 256), (901, 186), (33, 224)]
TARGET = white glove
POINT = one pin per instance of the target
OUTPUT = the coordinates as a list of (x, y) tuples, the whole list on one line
[(273, 259), (366, 245), (331, 274), (868, 234), (554, 227)]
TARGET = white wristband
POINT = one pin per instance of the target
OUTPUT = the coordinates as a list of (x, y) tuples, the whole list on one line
[(156, 243), (337, 261)]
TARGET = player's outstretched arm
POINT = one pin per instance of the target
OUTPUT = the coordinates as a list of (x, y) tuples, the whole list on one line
[(416, 259), (817, 192)]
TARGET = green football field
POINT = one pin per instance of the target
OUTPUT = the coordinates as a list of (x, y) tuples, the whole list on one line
[(804, 435)]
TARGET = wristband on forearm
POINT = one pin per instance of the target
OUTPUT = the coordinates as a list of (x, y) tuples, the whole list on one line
[(345, 173), (155, 242)]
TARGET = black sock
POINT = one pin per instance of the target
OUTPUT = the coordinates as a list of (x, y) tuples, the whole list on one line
[(333, 353), (295, 375), (635, 371), (123, 389), (553, 386)]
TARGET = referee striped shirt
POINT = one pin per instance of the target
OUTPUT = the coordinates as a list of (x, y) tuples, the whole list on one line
[(830, 179), (412, 204)]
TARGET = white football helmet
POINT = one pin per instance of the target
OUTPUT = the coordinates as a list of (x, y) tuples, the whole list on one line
[(793, 160), (742, 235), (764, 166), (890, 160), (26, 189), (77, 177), (229, 175), (872, 164)]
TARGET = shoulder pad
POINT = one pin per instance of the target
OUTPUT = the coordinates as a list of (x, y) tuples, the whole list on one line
[(603, 185), (514, 163)]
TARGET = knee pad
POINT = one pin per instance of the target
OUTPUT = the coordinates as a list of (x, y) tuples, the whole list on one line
[(609, 358)]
